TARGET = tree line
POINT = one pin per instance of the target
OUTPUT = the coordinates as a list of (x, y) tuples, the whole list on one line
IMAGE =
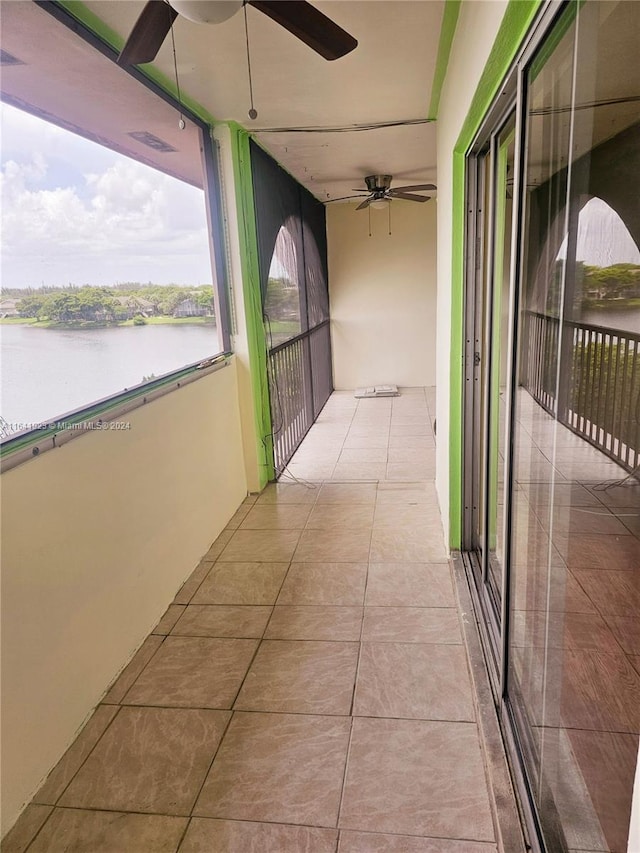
[(111, 304), (594, 286)]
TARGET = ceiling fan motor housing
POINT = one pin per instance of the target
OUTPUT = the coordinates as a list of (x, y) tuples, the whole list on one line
[(378, 184)]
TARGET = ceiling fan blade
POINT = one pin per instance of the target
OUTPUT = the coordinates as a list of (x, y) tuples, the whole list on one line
[(343, 198), (408, 196), (309, 25), (416, 187), (364, 204), (148, 33)]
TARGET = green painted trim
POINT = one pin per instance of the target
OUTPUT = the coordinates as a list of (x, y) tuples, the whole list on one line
[(515, 24), (447, 32), (517, 20), (256, 336), (456, 368), (92, 22)]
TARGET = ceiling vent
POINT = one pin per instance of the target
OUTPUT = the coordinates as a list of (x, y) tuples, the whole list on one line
[(152, 141), (8, 59)]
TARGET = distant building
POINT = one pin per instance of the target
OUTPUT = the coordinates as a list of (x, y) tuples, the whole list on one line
[(190, 308), (8, 308), (132, 306)]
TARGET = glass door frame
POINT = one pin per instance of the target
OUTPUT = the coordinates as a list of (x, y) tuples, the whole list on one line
[(493, 625), (481, 292)]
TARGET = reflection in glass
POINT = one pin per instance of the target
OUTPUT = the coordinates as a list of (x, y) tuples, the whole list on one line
[(282, 300), (574, 671)]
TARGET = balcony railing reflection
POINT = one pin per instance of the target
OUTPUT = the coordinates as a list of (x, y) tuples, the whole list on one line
[(597, 396)]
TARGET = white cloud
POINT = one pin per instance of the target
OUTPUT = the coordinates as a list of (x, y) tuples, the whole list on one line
[(73, 211)]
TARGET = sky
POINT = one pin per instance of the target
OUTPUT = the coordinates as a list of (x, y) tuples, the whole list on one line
[(74, 212)]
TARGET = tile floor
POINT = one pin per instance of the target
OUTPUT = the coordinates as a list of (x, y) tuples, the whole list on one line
[(308, 688)]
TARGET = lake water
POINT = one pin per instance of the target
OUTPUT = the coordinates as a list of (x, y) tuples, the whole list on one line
[(625, 319), (48, 372)]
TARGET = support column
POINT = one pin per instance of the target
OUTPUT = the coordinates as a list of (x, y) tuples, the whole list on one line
[(248, 335)]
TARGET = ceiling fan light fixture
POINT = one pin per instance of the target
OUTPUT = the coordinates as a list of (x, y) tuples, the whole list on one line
[(380, 203), (207, 11)]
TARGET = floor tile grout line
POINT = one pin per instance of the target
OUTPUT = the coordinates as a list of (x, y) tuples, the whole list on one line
[(336, 848), (139, 675), (262, 640), (229, 709), (355, 683), (242, 637), (184, 834), (244, 678), (269, 822), (104, 700), (186, 816), (342, 445), (438, 838), (110, 810), (40, 829), (211, 763), (335, 829), (345, 772), (192, 596), (88, 755)]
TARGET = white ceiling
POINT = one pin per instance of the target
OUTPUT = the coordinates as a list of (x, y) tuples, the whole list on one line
[(387, 78)]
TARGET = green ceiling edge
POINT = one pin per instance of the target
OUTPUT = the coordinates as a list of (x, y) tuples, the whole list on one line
[(257, 342), (78, 10), (447, 32), (516, 22)]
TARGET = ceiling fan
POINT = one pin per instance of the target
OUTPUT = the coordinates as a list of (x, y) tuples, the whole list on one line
[(300, 18), (379, 190)]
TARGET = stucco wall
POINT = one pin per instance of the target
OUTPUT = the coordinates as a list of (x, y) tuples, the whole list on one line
[(383, 294), (97, 537)]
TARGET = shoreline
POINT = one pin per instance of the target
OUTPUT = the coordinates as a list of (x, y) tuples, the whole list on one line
[(81, 325)]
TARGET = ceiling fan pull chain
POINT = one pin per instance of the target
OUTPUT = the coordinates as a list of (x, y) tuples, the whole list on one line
[(181, 123), (389, 206), (253, 113), (369, 209)]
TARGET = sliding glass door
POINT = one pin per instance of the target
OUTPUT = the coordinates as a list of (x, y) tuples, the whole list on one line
[(553, 412), (492, 221)]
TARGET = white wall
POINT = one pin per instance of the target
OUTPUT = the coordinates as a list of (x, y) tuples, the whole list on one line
[(477, 28), (383, 294), (97, 537)]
